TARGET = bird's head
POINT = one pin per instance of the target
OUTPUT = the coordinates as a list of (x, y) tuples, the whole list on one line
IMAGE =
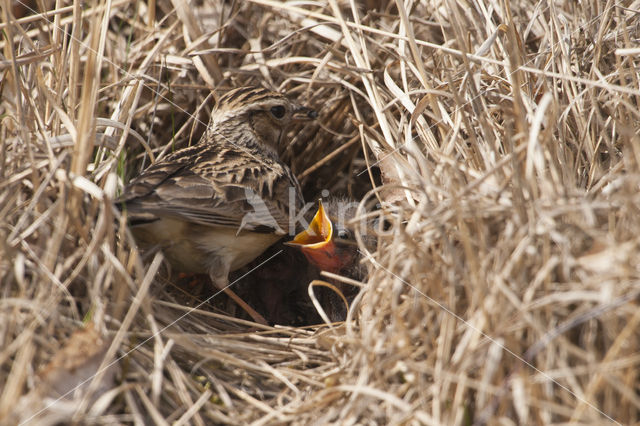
[(263, 113), (329, 241)]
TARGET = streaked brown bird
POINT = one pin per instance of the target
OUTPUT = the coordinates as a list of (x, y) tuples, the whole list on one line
[(215, 206)]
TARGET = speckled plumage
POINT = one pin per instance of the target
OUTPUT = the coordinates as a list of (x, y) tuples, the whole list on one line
[(215, 206)]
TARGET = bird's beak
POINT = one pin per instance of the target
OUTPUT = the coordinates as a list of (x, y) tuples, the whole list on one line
[(316, 242), (303, 113)]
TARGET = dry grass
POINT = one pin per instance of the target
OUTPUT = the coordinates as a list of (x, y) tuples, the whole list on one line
[(505, 135)]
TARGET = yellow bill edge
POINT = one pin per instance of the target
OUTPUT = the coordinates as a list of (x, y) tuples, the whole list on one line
[(316, 242), (318, 234)]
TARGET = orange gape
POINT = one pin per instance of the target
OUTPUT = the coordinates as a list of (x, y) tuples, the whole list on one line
[(316, 242)]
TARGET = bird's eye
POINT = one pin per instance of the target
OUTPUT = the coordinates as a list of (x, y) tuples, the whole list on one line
[(278, 111), (343, 234)]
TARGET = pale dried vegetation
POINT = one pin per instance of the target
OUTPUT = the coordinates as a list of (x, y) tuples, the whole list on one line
[(503, 140)]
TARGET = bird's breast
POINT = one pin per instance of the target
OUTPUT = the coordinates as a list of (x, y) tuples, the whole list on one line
[(239, 249), (194, 248)]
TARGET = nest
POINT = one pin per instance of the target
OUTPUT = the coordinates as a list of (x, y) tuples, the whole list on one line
[(500, 144)]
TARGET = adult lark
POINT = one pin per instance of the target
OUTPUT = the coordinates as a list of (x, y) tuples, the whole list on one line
[(215, 206)]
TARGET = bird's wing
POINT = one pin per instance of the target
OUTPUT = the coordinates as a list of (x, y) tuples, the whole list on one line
[(216, 186)]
